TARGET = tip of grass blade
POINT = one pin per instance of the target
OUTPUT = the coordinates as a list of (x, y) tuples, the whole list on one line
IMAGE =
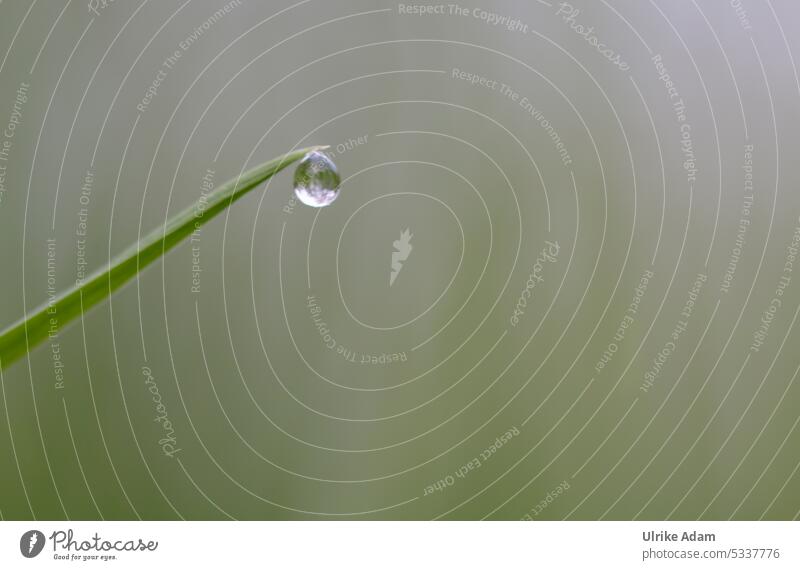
[(34, 328)]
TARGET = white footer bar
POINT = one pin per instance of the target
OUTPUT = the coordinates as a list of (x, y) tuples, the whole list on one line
[(406, 545)]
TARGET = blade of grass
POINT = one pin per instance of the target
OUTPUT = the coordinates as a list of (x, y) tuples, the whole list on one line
[(21, 337)]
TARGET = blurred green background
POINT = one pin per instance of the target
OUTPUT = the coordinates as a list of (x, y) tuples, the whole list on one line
[(267, 369)]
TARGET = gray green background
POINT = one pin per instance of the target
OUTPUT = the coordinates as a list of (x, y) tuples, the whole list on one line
[(269, 421)]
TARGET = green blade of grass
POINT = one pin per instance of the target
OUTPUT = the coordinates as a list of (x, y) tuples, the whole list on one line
[(18, 339)]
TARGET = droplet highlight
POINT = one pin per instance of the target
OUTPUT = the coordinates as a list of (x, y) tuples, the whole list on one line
[(316, 180)]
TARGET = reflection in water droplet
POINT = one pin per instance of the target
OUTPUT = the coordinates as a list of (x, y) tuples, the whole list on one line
[(316, 180)]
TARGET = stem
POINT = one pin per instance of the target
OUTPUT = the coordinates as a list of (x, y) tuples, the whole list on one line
[(21, 337)]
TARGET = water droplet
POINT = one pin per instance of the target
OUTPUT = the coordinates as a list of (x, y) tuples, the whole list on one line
[(316, 180)]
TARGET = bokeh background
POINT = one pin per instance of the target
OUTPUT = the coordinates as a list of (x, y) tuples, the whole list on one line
[(596, 319)]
